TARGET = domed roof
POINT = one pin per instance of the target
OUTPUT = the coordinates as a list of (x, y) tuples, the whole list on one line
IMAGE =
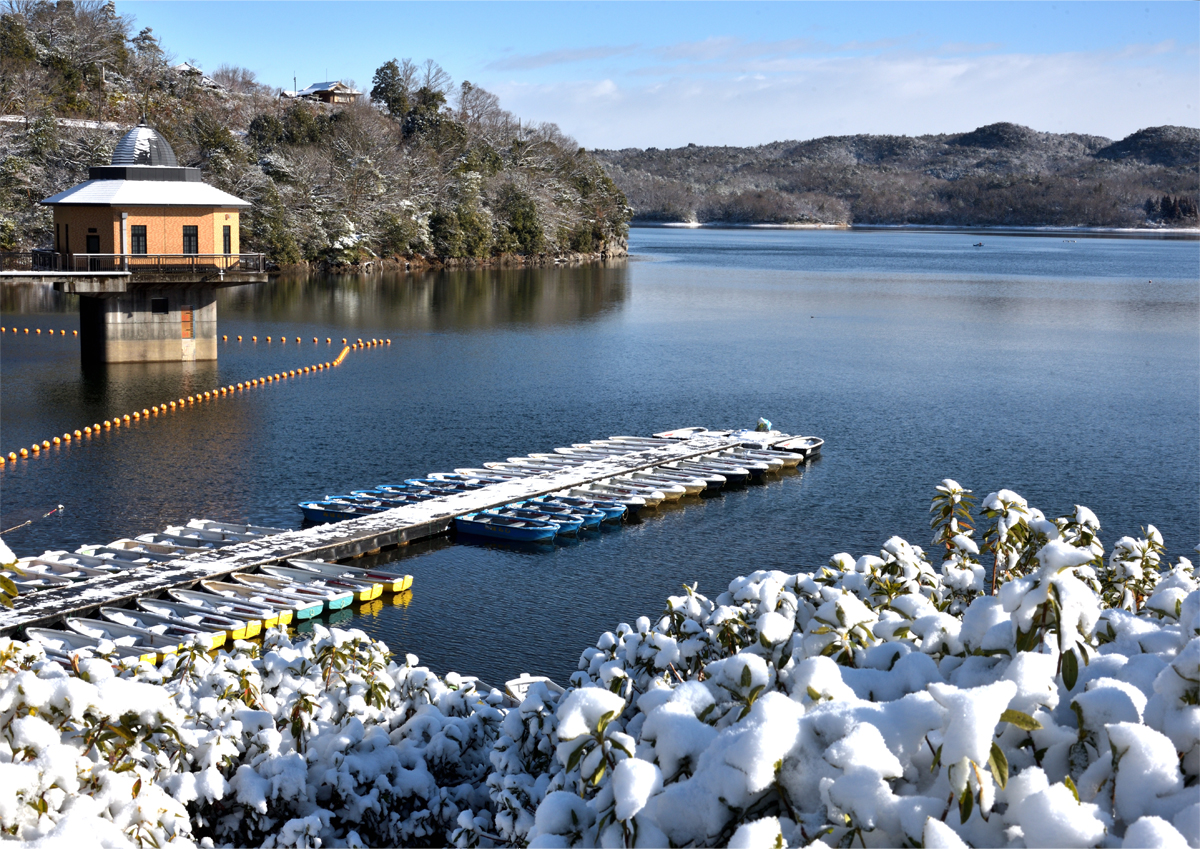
[(144, 146)]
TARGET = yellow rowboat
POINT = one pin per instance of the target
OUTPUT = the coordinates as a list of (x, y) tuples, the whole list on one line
[(233, 627), (167, 626), (289, 608), (363, 589), (391, 582), (139, 638), (266, 617), (331, 598), (62, 645)]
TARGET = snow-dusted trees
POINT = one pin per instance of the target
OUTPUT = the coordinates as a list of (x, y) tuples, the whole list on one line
[(882, 700)]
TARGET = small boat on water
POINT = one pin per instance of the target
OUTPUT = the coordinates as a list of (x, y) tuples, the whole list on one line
[(439, 483), (590, 517), (126, 635), (336, 511), (331, 598), (233, 628), (182, 547), (235, 607), (389, 581), (567, 522), (495, 475), (71, 571), (353, 589), (505, 527), (456, 477), (165, 625), (653, 495), (632, 501), (753, 463), (518, 688), (809, 446), (613, 511), (62, 645), (691, 484), (246, 531), (125, 552), (789, 459), (31, 582), (300, 608)]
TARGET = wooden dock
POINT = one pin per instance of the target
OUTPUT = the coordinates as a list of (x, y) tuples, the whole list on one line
[(340, 540)]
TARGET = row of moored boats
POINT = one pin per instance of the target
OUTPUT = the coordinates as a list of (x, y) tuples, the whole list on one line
[(208, 615), (588, 505)]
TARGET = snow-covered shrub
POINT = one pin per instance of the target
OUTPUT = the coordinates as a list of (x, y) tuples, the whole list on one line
[(880, 701)]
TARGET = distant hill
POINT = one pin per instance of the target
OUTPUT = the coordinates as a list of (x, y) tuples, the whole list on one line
[(1001, 174)]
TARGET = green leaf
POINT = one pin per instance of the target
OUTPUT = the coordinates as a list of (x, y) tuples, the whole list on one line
[(998, 763), (966, 803), (1071, 786), (1070, 669), (137, 788), (125, 767), (755, 693), (576, 756), (746, 676), (937, 759), (604, 720), (7, 585), (598, 774), (1022, 720), (813, 694)]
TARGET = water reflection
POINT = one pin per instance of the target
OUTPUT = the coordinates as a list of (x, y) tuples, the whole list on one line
[(35, 298), (456, 299)]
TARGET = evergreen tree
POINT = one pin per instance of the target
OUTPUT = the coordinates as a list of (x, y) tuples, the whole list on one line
[(390, 89)]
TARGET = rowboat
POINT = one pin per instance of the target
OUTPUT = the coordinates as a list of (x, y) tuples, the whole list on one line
[(125, 635), (691, 485), (205, 536), (632, 501), (567, 522), (165, 625), (518, 688), (330, 598), (589, 516), (177, 546), (389, 498), (356, 590), (268, 615), (61, 645), (233, 628), (59, 569), (734, 475), (653, 495), (300, 608), (493, 474), (451, 477), (612, 510), (30, 582), (790, 459), (505, 527), (128, 551), (248, 531), (682, 433), (810, 446), (334, 511), (439, 483), (88, 561), (391, 582), (744, 458)]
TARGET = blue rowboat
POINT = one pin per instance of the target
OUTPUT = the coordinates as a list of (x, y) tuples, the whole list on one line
[(567, 524), (394, 499), (505, 527), (335, 511), (590, 516), (613, 510)]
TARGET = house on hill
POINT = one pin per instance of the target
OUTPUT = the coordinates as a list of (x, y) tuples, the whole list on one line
[(332, 91)]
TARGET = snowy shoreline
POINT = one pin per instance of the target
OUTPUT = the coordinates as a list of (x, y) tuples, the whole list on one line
[(1174, 232), (884, 700)]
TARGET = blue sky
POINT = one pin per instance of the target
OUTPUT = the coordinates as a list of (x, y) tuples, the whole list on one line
[(663, 74)]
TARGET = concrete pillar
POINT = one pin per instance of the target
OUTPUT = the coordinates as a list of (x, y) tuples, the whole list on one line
[(149, 325)]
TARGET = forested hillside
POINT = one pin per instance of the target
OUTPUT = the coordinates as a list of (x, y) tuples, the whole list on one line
[(423, 169), (1002, 174)]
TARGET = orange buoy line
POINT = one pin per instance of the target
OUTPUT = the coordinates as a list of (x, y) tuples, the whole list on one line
[(137, 415)]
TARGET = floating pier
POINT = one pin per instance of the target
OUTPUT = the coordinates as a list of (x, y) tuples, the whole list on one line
[(354, 537)]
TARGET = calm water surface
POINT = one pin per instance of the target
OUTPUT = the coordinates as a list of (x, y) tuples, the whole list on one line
[(1067, 371)]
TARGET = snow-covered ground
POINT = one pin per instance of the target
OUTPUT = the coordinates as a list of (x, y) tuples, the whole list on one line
[(885, 700)]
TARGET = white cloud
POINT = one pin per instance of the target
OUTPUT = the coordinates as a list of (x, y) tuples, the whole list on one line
[(758, 100)]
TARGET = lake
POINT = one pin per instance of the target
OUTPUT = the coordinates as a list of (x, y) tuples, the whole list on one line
[(1065, 368)]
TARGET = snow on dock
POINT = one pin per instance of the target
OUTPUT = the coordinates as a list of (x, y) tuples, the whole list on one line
[(350, 538)]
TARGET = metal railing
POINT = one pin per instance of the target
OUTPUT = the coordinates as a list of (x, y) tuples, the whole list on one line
[(169, 263), (134, 263)]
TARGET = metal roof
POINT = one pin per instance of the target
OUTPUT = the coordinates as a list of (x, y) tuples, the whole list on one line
[(144, 146), (144, 193), (329, 85)]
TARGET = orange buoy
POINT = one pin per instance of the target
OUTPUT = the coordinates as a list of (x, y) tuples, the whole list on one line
[(57, 440), (191, 399), (224, 338), (116, 422), (45, 443), (172, 405), (24, 452), (38, 331), (343, 340), (12, 455), (145, 412), (328, 340), (268, 338), (239, 338), (389, 341), (66, 437), (127, 418), (88, 430), (79, 434), (314, 340), (136, 415), (96, 427), (26, 329), (297, 340), (36, 448), (74, 332), (282, 340), (277, 377), (254, 338)]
